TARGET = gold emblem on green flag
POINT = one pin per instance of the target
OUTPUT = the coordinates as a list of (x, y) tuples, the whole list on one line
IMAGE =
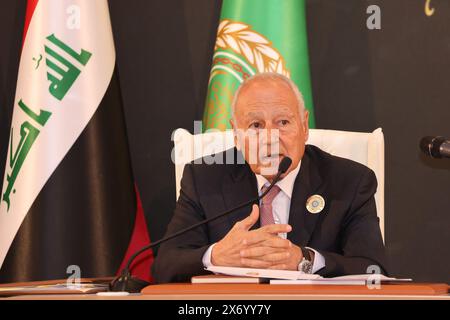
[(254, 37), (236, 41)]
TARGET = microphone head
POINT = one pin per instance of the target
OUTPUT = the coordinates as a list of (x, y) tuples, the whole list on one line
[(431, 146), (425, 145), (284, 165)]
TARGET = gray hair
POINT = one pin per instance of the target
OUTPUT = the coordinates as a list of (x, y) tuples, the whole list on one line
[(271, 76)]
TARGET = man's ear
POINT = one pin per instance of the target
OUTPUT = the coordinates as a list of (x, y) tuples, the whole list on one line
[(236, 141), (306, 125)]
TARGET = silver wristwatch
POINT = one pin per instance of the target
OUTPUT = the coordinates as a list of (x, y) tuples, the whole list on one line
[(305, 266)]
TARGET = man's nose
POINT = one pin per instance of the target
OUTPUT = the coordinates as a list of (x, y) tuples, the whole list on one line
[(269, 142), (269, 136)]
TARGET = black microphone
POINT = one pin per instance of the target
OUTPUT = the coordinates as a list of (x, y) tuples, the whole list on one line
[(435, 147), (127, 282)]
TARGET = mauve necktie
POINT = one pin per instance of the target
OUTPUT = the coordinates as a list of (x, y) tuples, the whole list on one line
[(265, 209)]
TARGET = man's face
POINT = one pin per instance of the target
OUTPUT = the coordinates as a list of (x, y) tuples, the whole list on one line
[(267, 112)]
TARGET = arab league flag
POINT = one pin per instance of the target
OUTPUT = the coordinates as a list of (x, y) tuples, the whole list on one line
[(257, 36), (68, 202)]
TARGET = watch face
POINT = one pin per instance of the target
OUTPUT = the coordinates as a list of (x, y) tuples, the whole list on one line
[(306, 266)]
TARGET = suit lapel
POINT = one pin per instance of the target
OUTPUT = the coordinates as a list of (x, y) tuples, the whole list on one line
[(239, 186), (307, 183)]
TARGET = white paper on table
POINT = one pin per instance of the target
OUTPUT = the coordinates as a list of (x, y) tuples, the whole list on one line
[(356, 279), (263, 273)]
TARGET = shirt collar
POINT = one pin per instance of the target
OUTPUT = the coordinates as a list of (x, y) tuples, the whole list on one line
[(286, 184)]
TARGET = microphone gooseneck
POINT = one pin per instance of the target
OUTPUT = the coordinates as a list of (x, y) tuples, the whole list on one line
[(127, 282)]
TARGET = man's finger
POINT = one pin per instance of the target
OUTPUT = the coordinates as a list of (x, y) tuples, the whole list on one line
[(254, 263), (281, 266), (255, 252), (248, 222), (256, 236), (275, 242), (276, 228), (275, 258)]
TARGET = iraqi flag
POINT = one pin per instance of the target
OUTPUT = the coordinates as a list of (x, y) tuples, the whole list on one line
[(68, 201)]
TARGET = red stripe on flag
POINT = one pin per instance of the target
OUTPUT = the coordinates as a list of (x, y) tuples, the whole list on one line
[(140, 238), (31, 5)]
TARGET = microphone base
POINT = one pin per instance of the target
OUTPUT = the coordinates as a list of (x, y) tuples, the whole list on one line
[(127, 283)]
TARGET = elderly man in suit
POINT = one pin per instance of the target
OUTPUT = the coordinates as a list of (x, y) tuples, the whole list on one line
[(319, 218)]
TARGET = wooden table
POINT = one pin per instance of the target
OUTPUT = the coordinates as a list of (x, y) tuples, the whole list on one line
[(410, 291)]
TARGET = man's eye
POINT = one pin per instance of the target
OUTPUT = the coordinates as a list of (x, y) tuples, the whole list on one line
[(284, 122), (255, 125)]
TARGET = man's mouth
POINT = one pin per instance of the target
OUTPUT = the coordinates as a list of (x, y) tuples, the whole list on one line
[(271, 158), (274, 155)]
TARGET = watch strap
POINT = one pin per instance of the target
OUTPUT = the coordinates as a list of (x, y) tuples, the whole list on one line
[(306, 253)]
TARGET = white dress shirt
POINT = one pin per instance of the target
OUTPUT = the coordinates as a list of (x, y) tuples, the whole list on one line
[(280, 207)]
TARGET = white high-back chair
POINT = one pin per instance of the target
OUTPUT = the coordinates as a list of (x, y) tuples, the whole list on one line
[(365, 148)]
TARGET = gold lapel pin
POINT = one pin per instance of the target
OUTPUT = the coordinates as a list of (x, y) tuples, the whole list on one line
[(315, 204)]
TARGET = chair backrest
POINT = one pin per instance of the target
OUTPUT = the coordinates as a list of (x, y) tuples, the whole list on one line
[(365, 148)]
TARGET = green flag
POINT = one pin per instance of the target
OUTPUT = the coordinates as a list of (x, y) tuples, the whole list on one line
[(257, 36)]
